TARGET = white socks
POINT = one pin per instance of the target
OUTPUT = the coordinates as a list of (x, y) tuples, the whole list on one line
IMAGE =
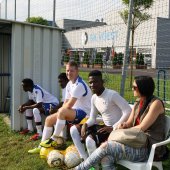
[(60, 124), (76, 139), (30, 126), (29, 117), (37, 118), (39, 129), (47, 132), (91, 145)]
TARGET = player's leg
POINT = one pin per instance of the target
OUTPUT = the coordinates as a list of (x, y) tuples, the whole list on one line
[(75, 134), (29, 119)]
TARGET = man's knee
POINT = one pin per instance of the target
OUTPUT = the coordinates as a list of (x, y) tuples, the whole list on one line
[(90, 142), (61, 113), (73, 131), (51, 119)]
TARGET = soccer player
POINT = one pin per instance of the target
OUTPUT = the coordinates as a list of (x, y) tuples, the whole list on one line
[(110, 105), (75, 108), (39, 103)]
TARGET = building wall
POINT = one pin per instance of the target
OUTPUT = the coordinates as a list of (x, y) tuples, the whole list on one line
[(162, 53), (36, 54)]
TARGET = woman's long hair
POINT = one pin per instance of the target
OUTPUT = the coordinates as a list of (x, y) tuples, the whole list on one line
[(146, 87)]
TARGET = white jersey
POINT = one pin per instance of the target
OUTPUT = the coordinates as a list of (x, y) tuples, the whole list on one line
[(113, 108), (40, 95), (63, 93), (81, 91)]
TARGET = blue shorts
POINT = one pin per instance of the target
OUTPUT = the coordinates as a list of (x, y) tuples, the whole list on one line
[(46, 107), (80, 114)]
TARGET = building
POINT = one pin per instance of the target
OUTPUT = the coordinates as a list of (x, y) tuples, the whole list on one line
[(151, 37)]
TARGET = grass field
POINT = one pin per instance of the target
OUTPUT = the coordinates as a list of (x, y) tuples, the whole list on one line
[(14, 155), (13, 147)]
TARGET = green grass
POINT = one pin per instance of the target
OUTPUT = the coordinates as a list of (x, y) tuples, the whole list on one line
[(13, 147), (14, 155), (13, 151), (113, 81)]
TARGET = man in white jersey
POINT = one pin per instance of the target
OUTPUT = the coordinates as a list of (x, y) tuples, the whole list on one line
[(110, 105), (39, 102), (75, 108)]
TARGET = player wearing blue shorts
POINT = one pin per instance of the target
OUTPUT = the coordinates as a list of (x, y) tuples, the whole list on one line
[(39, 103), (75, 108)]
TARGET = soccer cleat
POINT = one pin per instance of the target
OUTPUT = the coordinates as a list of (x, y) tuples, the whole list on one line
[(35, 150), (35, 137), (57, 144), (25, 131), (48, 143)]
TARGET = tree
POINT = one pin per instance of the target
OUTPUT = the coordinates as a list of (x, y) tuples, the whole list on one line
[(37, 20), (139, 15)]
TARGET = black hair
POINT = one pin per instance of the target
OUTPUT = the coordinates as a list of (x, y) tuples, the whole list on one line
[(146, 87), (28, 82), (63, 76), (95, 73)]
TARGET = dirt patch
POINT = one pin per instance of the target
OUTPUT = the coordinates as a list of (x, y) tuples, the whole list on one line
[(6, 119)]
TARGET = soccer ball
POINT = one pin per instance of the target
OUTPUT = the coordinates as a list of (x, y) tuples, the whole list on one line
[(55, 158), (72, 157), (45, 151)]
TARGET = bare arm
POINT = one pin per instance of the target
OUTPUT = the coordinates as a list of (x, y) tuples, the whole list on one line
[(35, 105), (28, 103), (155, 109)]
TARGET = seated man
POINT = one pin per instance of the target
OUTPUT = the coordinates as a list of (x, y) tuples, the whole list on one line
[(39, 102), (62, 80), (75, 108), (112, 107)]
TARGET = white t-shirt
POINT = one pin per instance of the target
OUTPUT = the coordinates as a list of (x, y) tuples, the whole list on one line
[(82, 92), (63, 92), (40, 95), (113, 108)]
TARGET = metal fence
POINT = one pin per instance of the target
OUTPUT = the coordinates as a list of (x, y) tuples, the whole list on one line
[(97, 37)]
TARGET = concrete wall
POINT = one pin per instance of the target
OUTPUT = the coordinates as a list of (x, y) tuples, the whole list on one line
[(162, 53), (36, 54)]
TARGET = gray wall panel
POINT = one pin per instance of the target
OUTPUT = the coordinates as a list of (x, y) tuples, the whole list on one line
[(34, 55)]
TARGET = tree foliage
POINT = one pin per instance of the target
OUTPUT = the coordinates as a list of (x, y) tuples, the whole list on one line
[(139, 14), (37, 20)]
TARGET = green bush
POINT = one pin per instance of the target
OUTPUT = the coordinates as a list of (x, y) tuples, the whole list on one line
[(139, 59), (117, 59), (76, 58), (66, 58), (86, 58), (98, 59), (37, 20)]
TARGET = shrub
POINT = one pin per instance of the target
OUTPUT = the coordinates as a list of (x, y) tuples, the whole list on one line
[(37, 20)]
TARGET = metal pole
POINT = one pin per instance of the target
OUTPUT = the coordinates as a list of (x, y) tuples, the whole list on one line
[(15, 10), (126, 54), (5, 9), (54, 4), (28, 9), (0, 10)]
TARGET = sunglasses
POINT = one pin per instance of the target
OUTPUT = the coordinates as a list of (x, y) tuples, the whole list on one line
[(134, 87)]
